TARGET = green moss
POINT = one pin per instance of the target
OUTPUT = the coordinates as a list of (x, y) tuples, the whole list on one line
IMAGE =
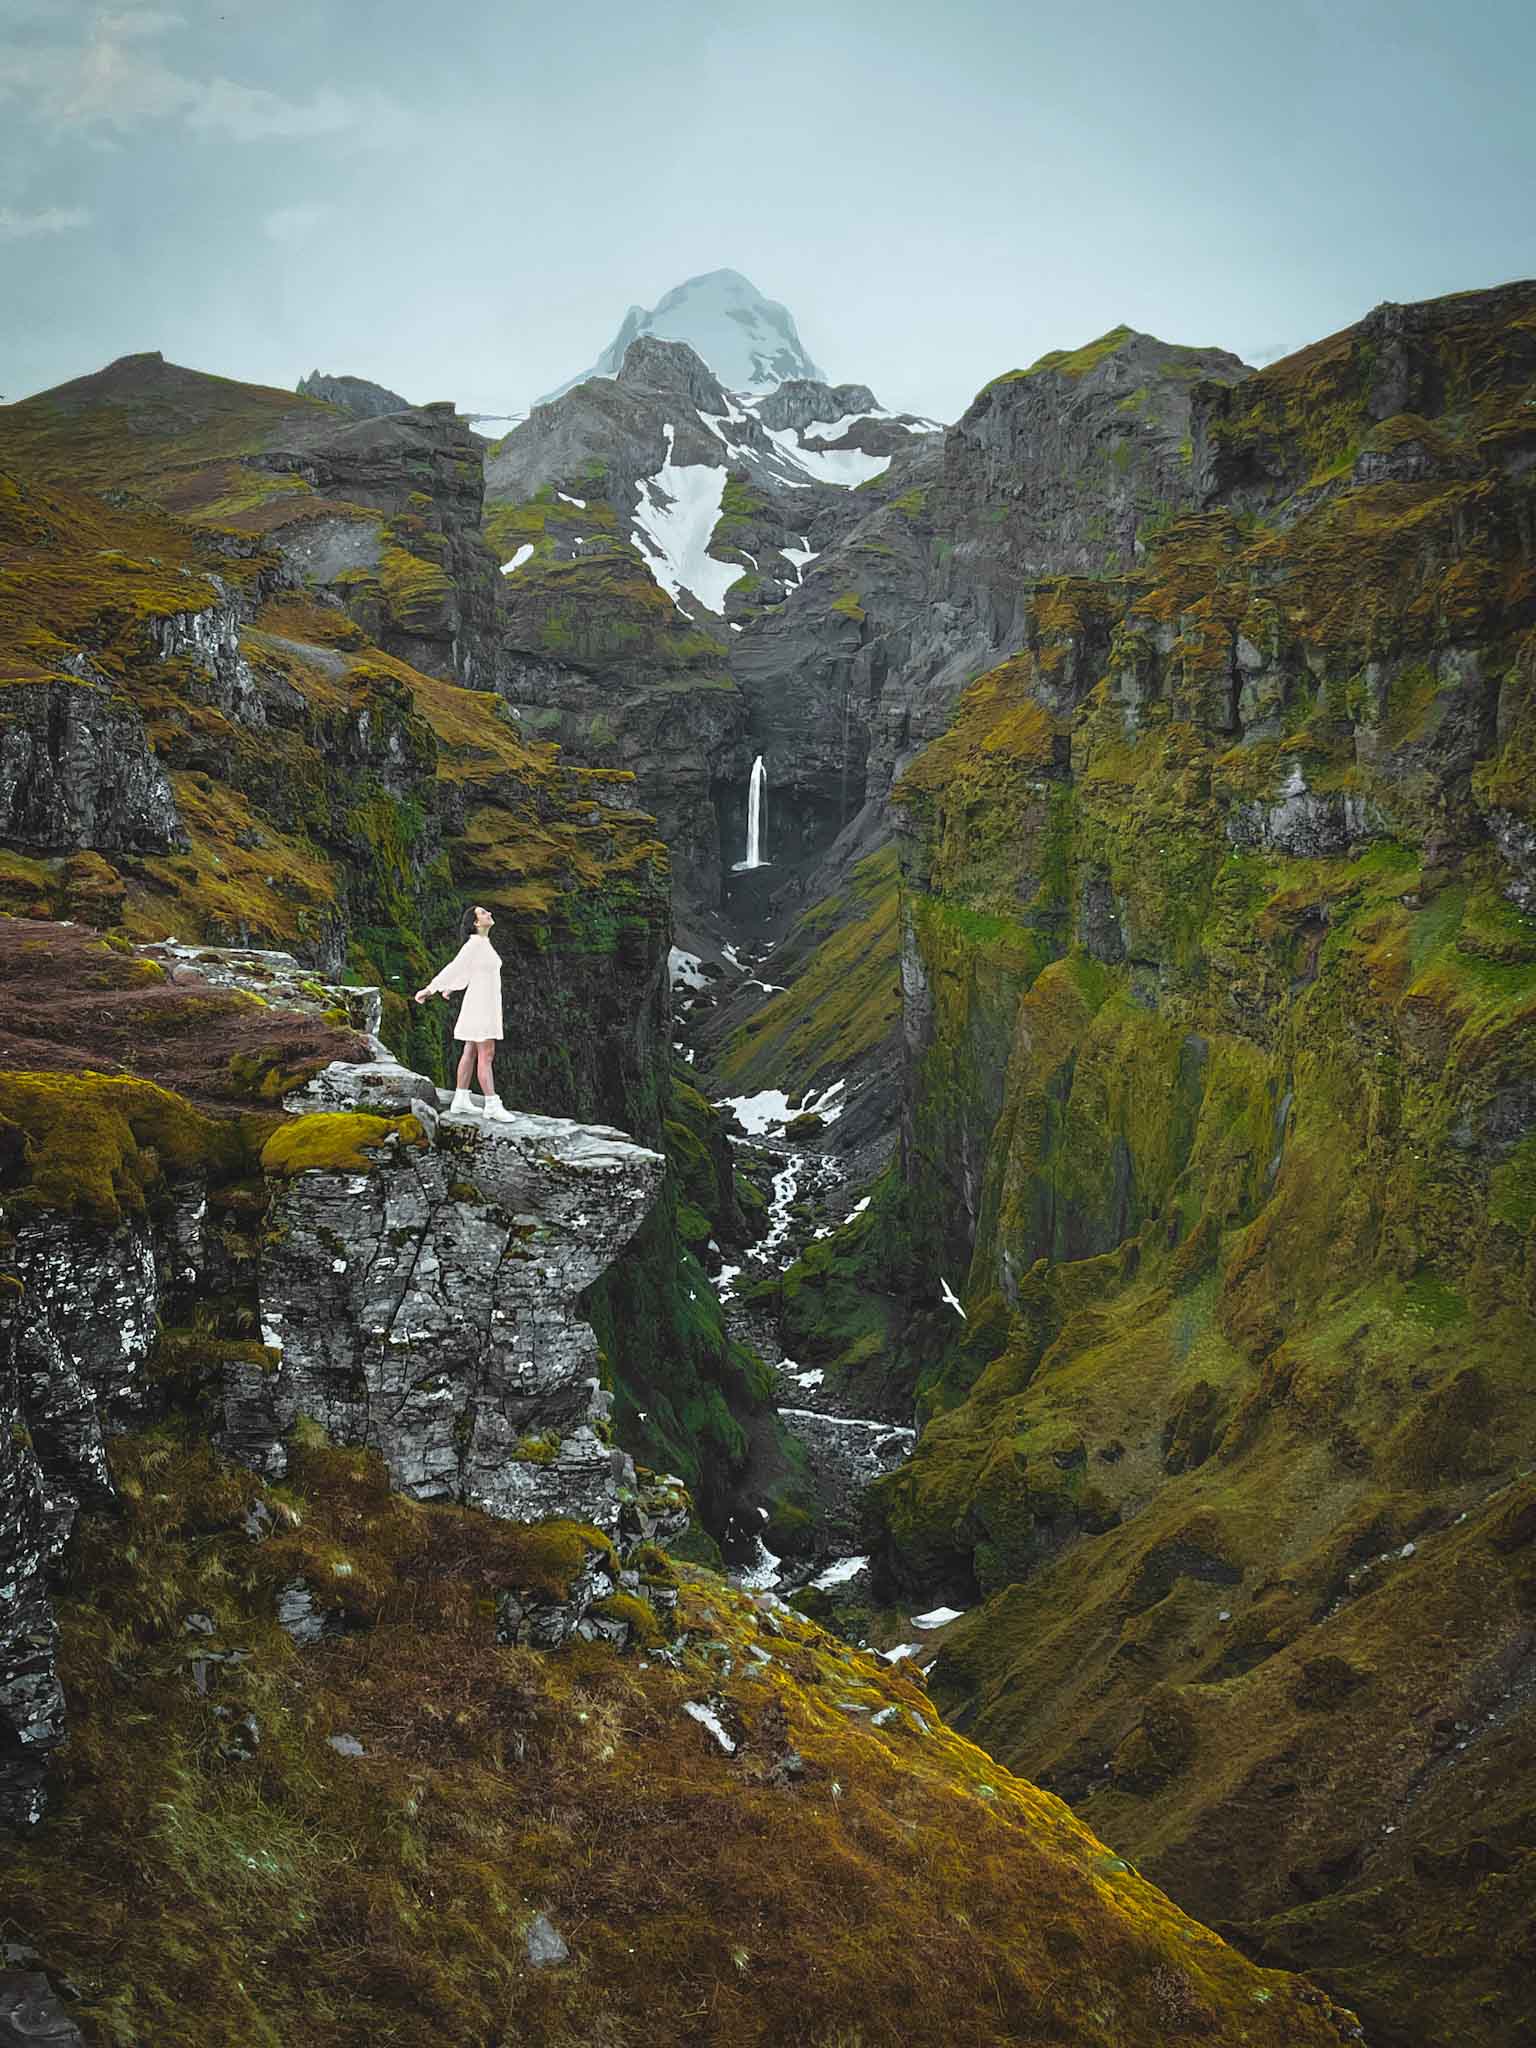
[(645, 1629), (1512, 1186), (1074, 363), (336, 1141), (100, 1145), (844, 1000)]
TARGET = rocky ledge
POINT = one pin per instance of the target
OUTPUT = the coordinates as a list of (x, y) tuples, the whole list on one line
[(418, 1284), (415, 1277)]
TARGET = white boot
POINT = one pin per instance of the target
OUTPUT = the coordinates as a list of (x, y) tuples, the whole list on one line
[(463, 1103), (494, 1110)]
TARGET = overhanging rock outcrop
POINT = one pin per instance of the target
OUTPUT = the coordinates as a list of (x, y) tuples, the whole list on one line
[(419, 1282)]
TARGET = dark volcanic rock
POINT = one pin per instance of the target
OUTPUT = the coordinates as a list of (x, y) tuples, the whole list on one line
[(1059, 469), (354, 394), (434, 600), (31, 2015), (76, 770)]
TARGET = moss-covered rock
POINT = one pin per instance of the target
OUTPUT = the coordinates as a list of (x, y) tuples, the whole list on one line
[(99, 1146), (384, 1812), (335, 1141), (1219, 1003)]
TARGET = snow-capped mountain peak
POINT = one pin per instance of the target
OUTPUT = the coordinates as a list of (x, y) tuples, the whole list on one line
[(749, 342)]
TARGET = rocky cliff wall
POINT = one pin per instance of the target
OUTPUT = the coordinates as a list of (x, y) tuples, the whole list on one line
[(1217, 1005), (1067, 467)]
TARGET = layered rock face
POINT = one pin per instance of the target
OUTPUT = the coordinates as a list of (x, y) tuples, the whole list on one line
[(76, 771), (415, 1290), (1067, 467), (427, 1307), (1218, 989), (420, 580)]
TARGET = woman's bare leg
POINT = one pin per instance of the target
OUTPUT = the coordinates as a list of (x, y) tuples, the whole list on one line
[(485, 1049), (466, 1064)]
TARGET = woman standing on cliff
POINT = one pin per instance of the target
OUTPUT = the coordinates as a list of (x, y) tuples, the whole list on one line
[(475, 968)]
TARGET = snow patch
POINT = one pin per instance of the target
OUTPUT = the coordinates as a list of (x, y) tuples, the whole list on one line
[(901, 1650), (937, 1616), (708, 1718), (676, 513), (685, 969), (763, 1571), (511, 568), (847, 466), (579, 503), (757, 1113)]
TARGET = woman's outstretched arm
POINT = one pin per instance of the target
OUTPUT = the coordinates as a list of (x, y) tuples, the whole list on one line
[(454, 975)]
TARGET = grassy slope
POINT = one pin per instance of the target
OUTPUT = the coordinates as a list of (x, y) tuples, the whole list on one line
[(899, 1886), (1250, 1289), (842, 1003)]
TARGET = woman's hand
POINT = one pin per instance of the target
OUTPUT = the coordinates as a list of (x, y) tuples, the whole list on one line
[(422, 994)]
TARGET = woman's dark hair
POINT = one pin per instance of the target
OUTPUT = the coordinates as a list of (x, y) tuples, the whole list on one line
[(467, 923)]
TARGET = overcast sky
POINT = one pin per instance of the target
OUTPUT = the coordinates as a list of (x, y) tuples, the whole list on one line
[(460, 200)]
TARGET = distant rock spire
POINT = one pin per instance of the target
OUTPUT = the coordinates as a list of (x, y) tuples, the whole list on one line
[(354, 394)]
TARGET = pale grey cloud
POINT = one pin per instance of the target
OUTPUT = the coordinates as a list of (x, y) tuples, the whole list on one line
[(121, 23), (108, 84), (15, 225), (296, 223)]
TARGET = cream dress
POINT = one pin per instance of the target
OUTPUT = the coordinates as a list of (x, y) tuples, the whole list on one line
[(475, 968)]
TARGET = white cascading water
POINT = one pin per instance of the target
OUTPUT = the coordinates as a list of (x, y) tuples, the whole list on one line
[(755, 791)]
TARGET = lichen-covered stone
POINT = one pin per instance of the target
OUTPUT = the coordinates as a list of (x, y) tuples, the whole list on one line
[(427, 1307), (31, 2015), (76, 770)]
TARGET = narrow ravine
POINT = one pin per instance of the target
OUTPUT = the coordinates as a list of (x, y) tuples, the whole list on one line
[(809, 1196)]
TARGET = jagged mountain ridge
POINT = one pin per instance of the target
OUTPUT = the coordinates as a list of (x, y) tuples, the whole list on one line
[(317, 1717), (353, 394), (749, 342)]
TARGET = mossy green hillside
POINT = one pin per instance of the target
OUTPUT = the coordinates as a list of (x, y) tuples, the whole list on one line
[(78, 573), (1469, 361), (604, 611), (100, 1146), (1239, 1163), (544, 522), (843, 999), (170, 434), (373, 1895)]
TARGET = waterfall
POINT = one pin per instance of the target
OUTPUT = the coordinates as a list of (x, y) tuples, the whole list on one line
[(755, 790)]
